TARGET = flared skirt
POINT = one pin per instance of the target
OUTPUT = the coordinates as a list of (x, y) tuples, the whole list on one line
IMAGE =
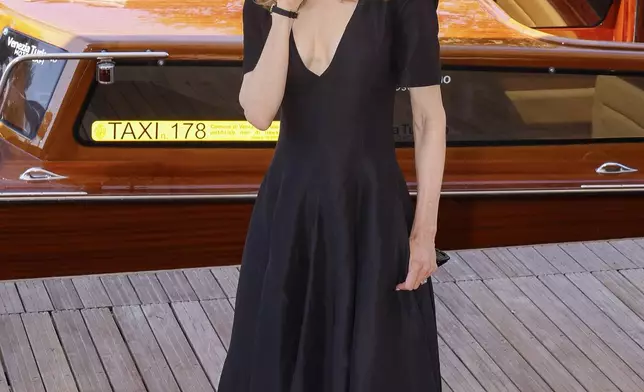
[(316, 307)]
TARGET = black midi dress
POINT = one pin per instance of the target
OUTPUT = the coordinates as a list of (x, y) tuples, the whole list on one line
[(328, 240)]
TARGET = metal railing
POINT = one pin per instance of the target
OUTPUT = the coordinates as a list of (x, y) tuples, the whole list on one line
[(4, 80)]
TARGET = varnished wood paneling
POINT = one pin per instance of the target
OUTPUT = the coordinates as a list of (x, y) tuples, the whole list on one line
[(626, 20), (508, 221), (69, 239)]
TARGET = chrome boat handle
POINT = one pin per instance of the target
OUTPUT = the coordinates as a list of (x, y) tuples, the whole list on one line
[(614, 168), (40, 174)]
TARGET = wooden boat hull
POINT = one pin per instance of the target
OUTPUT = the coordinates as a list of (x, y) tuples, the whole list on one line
[(544, 134), (75, 238)]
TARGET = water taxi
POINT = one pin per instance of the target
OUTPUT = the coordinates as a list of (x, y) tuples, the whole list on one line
[(123, 146)]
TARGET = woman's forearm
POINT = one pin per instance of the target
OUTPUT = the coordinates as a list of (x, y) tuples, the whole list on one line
[(262, 89), (430, 146)]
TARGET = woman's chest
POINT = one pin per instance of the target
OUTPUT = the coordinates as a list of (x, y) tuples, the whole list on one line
[(351, 44)]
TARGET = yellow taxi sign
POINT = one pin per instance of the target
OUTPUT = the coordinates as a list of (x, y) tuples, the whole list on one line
[(181, 131)]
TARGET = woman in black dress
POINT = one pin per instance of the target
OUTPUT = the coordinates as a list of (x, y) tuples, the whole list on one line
[(333, 293)]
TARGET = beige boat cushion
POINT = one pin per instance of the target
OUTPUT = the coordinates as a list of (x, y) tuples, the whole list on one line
[(614, 106), (553, 106), (618, 109)]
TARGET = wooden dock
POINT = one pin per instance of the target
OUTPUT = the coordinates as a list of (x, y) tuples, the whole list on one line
[(566, 317)]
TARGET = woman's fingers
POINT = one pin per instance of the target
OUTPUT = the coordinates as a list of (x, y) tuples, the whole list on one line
[(417, 276), (413, 280)]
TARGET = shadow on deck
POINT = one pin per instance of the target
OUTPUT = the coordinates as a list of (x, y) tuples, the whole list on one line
[(566, 317)]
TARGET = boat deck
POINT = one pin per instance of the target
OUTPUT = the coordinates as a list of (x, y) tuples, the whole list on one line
[(559, 317)]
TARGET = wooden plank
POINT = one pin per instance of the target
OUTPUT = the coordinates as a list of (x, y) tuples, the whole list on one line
[(34, 296), (52, 363), (584, 257), (445, 387), (198, 329), (182, 360), (220, 312), (63, 294), (113, 351), (120, 290), (441, 275), (615, 312), (232, 301), (148, 288), (636, 277), (611, 256), (19, 360), (507, 262), (558, 258), (146, 351), (91, 291), (81, 353), (639, 242), (533, 260), (204, 284), (177, 287), (546, 332), (4, 385), (538, 356), (454, 371), (481, 264), (459, 269), (630, 249), (10, 299), (623, 289), (469, 350), (580, 334), (227, 278), (602, 325), (508, 359)]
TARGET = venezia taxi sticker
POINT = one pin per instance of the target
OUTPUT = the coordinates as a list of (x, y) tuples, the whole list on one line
[(181, 131)]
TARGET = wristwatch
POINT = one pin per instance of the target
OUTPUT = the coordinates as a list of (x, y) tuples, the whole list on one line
[(281, 11)]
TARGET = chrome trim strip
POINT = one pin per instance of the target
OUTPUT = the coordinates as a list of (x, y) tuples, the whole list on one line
[(250, 196), (47, 193), (35, 196), (620, 186)]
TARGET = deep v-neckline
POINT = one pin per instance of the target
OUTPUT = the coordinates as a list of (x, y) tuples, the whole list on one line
[(337, 48)]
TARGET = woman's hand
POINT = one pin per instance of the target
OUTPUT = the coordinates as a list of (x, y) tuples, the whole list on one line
[(422, 263)]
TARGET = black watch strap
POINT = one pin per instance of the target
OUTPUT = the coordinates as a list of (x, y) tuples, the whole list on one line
[(281, 11)]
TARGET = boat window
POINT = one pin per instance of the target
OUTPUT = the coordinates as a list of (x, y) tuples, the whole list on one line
[(31, 84), (556, 13), (489, 107), (172, 106)]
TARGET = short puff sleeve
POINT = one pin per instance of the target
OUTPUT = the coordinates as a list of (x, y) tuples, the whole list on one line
[(256, 22), (416, 47)]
